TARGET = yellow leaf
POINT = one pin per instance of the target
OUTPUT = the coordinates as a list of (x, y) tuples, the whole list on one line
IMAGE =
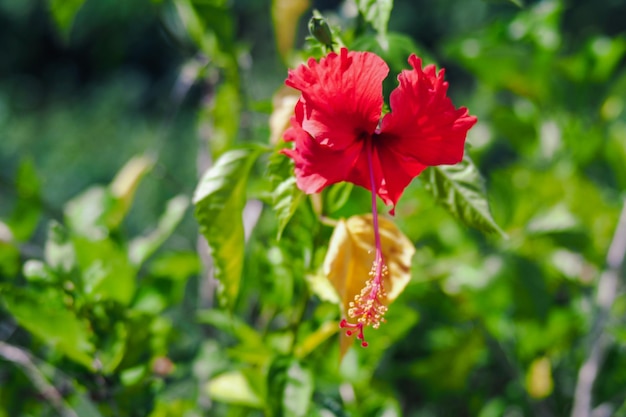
[(539, 382), (125, 184), (128, 178), (350, 257), (285, 15), (283, 104)]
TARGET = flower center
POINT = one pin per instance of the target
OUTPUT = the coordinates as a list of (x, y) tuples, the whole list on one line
[(368, 307)]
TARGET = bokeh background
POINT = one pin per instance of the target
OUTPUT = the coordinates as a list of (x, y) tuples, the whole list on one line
[(489, 325)]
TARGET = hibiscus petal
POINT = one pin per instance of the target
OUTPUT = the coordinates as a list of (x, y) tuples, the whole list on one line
[(397, 170), (423, 123), (318, 166), (360, 174), (341, 96)]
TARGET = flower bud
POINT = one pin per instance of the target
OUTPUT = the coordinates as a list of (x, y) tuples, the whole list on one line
[(319, 29)]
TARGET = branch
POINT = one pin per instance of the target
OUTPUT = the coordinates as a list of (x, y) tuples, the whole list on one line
[(25, 362), (607, 290)]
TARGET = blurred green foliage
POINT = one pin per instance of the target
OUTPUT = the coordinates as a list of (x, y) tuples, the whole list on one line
[(110, 306)]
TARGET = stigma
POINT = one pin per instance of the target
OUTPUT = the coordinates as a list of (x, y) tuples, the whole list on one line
[(368, 308)]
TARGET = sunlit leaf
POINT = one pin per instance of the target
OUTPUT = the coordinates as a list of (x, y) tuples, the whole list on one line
[(85, 213), (607, 54), (191, 21), (539, 382), (290, 387), (9, 253), (461, 190), (337, 196), (59, 250), (312, 341), (350, 257), (133, 376), (558, 219), (142, 247), (493, 408), (6, 236), (44, 314), (107, 272), (234, 387), (27, 212), (376, 12), (175, 265), (219, 199), (224, 111), (286, 198), (124, 186), (323, 288), (166, 407), (285, 16), (210, 25), (64, 12), (285, 194)]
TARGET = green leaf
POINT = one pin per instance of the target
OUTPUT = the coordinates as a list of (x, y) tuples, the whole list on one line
[(290, 388), (285, 194), (461, 190), (376, 12), (27, 212), (210, 25), (558, 219), (224, 111), (285, 199), (518, 3), (219, 199), (9, 259), (112, 347), (59, 250), (177, 266), (234, 387), (107, 273), (83, 405), (37, 271), (64, 12), (315, 339), (85, 213), (97, 210), (231, 324), (337, 196), (45, 314), (124, 186), (142, 247)]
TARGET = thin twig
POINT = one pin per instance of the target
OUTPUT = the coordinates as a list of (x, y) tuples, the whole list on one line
[(607, 290), (25, 362)]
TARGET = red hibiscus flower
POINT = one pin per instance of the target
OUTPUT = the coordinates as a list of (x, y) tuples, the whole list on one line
[(338, 131), (339, 136)]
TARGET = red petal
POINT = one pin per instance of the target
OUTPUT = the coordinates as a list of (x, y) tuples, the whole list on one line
[(318, 166), (341, 96), (398, 170), (360, 173), (424, 124)]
